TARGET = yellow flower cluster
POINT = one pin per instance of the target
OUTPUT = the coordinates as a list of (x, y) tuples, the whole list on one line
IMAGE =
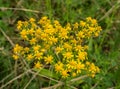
[(63, 48)]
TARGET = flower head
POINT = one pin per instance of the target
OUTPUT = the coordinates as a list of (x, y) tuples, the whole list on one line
[(63, 48), (48, 59), (38, 65)]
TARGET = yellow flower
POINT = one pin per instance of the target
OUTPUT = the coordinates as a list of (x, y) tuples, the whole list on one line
[(76, 25), (47, 46), (74, 74), (23, 34), (17, 48), (68, 27), (48, 59), (68, 55), (94, 22), (31, 31), (38, 55), (97, 69), (38, 33), (58, 49), (98, 28), (43, 20), (88, 19), (79, 66), (67, 46), (38, 65), (92, 75), (92, 29), (19, 25), (53, 40), (33, 25), (96, 34), (82, 56), (93, 68), (71, 64), (58, 67), (80, 34), (44, 36), (36, 48), (29, 57), (33, 41), (74, 42), (32, 20), (25, 23), (64, 73), (56, 22), (78, 48), (16, 57), (87, 63), (63, 34), (26, 49), (48, 31), (82, 23), (42, 50)]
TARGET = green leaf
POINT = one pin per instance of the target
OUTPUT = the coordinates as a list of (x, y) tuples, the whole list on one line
[(47, 73)]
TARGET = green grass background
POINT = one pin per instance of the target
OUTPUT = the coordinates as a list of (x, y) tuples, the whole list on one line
[(104, 50)]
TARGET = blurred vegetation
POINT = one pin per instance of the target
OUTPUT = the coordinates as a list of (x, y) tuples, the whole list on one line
[(104, 50)]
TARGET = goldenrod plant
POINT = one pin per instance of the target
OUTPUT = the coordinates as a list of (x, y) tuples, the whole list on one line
[(58, 44), (62, 48)]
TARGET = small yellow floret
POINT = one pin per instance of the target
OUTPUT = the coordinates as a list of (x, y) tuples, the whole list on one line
[(38, 65), (48, 59), (16, 57), (68, 55), (64, 73)]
